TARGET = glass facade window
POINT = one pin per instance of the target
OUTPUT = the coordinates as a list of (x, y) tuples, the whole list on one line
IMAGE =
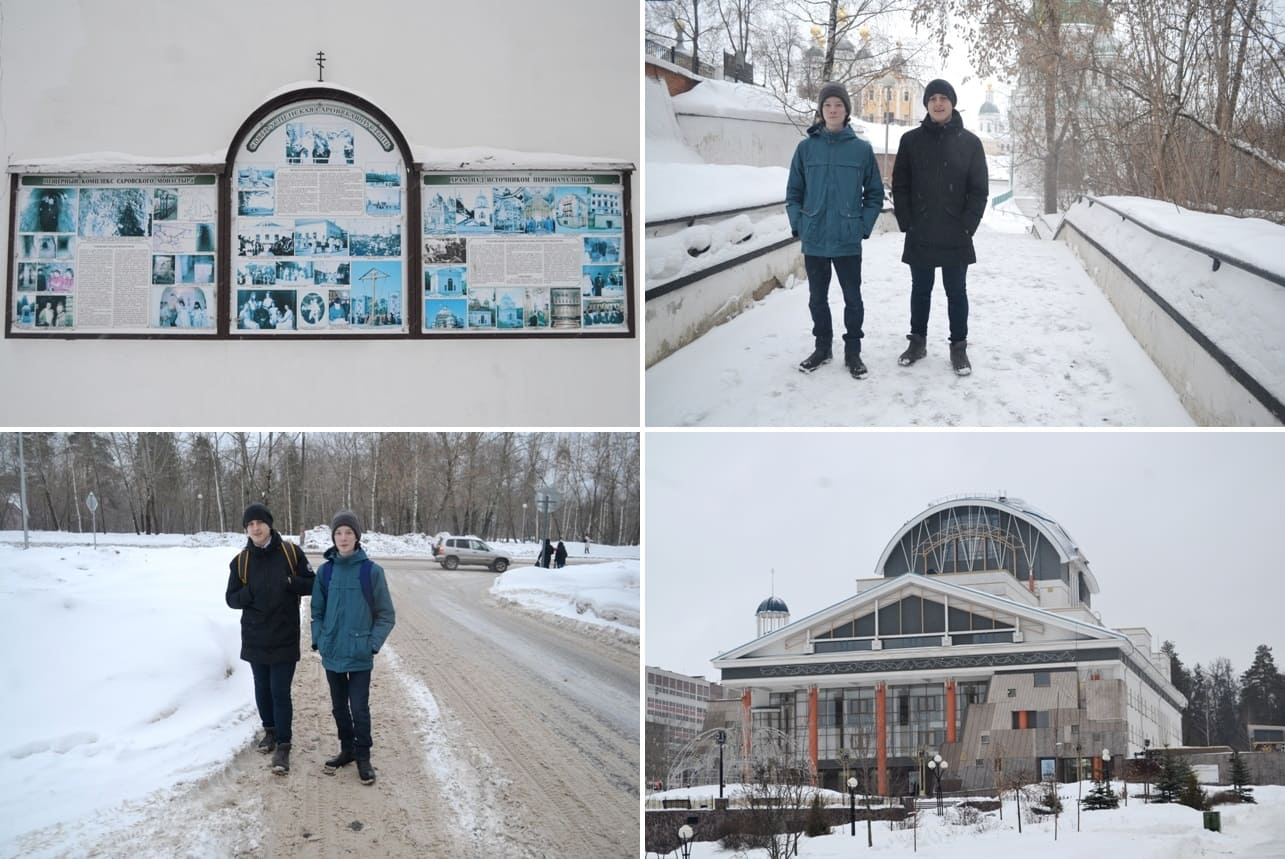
[(840, 646), (1042, 679), (916, 718)]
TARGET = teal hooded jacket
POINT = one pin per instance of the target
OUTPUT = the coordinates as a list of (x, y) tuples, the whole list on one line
[(834, 193), (346, 629)]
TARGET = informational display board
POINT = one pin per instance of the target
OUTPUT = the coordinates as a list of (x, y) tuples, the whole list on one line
[(523, 253), (115, 253), (319, 225)]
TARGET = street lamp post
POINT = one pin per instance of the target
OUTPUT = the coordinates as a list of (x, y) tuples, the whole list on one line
[(1106, 764), (939, 766), (852, 804), (923, 776), (524, 520), (200, 511), (1146, 766), (721, 739), (685, 840), (1079, 785)]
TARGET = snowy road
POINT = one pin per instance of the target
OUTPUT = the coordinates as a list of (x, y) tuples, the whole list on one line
[(1046, 346), (496, 733)]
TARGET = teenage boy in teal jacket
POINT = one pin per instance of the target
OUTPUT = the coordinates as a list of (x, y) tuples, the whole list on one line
[(833, 198), (352, 615)]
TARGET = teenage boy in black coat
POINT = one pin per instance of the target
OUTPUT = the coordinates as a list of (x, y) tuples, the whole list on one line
[(939, 190), (265, 581)]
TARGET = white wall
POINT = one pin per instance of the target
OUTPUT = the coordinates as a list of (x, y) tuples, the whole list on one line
[(172, 77)]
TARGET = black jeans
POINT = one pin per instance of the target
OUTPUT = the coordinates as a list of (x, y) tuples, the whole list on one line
[(272, 696), (350, 703), (954, 279), (854, 312)]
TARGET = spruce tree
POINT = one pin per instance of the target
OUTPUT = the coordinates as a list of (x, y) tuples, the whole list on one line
[(1100, 797), (1240, 778), (1191, 794), (1171, 778)]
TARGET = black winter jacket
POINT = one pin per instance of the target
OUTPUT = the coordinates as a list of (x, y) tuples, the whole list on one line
[(939, 190), (269, 600)]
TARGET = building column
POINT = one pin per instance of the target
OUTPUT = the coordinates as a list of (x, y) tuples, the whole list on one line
[(950, 711), (812, 732), (881, 736), (1021, 719), (747, 726)]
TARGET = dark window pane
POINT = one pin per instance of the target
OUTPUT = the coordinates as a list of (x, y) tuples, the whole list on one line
[(912, 615), (865, 626), (890, 620), (934, 616)]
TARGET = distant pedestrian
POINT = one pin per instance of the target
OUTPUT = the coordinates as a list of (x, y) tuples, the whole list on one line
[(832, 199), (560, 556), (265, 581), (939, 188), (545, 558), (352, 615), (586, 544)]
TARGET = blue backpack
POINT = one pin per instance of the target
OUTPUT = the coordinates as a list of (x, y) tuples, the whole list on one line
[(367, 590)]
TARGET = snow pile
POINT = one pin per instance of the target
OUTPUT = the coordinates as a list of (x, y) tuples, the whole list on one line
[(1250, 240), (1137, 830), (730, 99), (703, 246), (683, 190), (122, 675), (600, 594)]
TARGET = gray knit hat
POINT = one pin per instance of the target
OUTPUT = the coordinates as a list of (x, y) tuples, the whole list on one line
[(837, 89), (345, 517)]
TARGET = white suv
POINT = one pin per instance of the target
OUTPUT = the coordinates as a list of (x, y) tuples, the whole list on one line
[(470, 551)]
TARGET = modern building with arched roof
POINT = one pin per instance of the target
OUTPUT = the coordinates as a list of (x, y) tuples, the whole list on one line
[(976, 640)]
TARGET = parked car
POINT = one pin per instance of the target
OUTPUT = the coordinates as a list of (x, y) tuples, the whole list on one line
[(470, 551)]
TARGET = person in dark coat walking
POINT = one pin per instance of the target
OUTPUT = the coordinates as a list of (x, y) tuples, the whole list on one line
[(939, 190), (560, 556), (265, 581), (545, 558), (832, 199)]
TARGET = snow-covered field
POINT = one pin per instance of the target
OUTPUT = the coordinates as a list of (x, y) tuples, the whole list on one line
[(122, 674), (1136, 831)]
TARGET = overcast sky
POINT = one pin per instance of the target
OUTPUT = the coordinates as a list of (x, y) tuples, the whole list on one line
[(1183, 530)]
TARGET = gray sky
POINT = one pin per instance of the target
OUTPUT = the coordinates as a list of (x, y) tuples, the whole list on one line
[(1180, 528)]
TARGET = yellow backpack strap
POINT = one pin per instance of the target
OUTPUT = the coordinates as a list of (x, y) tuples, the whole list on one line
[(289, 553), (243, 564)]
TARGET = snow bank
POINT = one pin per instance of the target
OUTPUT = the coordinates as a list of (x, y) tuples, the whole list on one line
[(599, 594)]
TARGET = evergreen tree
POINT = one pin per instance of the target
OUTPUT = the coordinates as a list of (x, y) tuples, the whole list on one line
[(1262, 690), (1197, 719), (1181, 679), (1191, 794), (1171, 779), (1100, 797), (1240, 777), (1225, 705), (816, 824)]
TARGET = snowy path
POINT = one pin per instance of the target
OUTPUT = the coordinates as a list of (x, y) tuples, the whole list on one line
[(1046, 346)]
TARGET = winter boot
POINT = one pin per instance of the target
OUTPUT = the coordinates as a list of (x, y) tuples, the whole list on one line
[(855, 365), (340, 760), (916, 350), (365, 771), (281, 759), (269, 741), (821, 355), (959, 358)]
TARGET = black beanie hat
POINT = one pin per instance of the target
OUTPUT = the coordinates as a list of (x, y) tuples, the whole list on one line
[(256, 511), (937, 85), (345, 517), (836, 89)]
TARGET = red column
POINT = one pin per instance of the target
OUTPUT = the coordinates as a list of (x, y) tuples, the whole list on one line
[(950, 711), (812, 731), (746, 726), (1021, 719), (881, 736), (1097, 768)]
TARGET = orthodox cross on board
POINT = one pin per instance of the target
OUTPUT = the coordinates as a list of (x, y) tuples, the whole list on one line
[(321, 63)]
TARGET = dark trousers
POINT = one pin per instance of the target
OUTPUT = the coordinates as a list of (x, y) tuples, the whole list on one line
[(854, 312), (954, 279), (272, 696), (350, 703)]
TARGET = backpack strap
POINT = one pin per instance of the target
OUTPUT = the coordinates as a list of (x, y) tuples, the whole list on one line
[(243, 565), (290, 553), (363, 575)]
